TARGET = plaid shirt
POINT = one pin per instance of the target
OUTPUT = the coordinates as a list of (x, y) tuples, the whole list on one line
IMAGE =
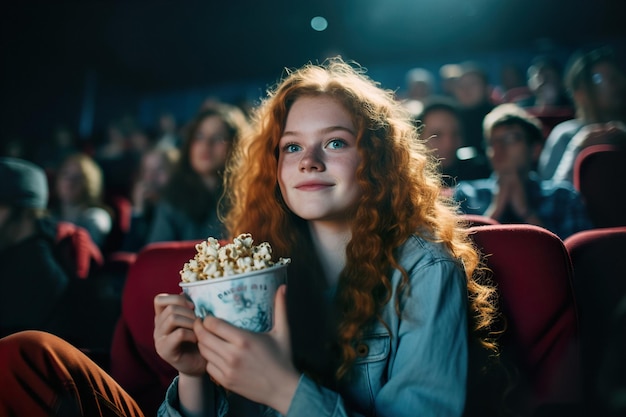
[(557, 204)]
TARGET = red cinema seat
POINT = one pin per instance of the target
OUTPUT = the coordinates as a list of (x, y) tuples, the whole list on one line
[(599, 171), (533, 273), (134, 362), (599, 286)]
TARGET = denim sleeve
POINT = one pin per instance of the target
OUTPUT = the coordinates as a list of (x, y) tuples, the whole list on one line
[(427, 370), (171, 406)]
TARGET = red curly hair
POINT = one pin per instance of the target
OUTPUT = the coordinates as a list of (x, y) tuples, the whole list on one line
[(401, 196)]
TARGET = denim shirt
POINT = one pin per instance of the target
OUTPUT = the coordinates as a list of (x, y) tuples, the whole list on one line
[(417, 367)]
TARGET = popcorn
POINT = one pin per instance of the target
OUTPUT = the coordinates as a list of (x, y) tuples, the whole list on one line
[(215, 261)]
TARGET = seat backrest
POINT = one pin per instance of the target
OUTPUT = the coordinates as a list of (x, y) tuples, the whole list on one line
[(134, 361), (533, 273), (598, 172), (76, 249), (599, 285)]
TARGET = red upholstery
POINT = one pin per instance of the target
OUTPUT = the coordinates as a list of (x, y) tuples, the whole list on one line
[(533, 273), (134, 361), (599, 285), (598, 172), (76, 247)]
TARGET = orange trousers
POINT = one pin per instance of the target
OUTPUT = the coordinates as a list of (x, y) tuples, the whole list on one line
[(42, 375)]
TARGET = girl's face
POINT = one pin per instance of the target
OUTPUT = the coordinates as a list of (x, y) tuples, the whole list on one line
[(209, 146), (318, 159), (71, 183)]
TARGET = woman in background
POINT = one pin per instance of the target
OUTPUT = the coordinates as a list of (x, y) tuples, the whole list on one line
[(191, 202), (78, 197)]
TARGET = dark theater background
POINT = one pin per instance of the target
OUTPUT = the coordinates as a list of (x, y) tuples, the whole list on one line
[(84, 63)]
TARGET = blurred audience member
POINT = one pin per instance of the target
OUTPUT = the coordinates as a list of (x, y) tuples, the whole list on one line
[(511, 76), (167, 135), (441, 129), (117, 158), (78, 197), (545, 81), (51, 153), (611, 133), (514, 193), (33, 281), (191, 202), (156, 167), (448, 75), (473, 93), (512, 84), (420, 84), (598, 87)]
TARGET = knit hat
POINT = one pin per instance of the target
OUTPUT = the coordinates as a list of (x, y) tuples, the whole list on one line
[(22, 184)]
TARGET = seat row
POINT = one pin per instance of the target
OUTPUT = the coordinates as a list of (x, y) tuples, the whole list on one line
[(557, 298)]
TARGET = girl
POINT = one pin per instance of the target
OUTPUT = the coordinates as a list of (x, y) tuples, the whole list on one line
[(375, 318)]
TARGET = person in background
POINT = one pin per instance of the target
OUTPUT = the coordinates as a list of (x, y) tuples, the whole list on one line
[(473, 93), (448, 75), (155, 172), (34, 280), (512, 84), (420, 84), (167, 135), (78, 197), (117, 158), (441, 129), (51, 153), (598, 86), (191, 200), (545, 82), (385, 285), (611, 133), (514, 193)]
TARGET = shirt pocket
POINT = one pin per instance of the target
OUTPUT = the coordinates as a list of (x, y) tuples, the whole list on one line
[(369, 372)]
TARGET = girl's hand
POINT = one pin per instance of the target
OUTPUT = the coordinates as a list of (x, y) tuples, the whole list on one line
[(174, 338), (257, 366)]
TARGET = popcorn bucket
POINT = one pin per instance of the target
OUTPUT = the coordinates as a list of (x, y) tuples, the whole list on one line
[(245, 300)]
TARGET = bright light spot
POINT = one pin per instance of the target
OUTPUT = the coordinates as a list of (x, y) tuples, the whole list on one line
[(319, 23)]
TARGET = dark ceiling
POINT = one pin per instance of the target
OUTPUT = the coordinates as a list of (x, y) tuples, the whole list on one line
[(147, 46)]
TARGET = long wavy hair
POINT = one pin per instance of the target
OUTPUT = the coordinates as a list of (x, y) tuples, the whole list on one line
[(401, 196)]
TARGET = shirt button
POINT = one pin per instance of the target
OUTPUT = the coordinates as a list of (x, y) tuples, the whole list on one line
[(362, 350)]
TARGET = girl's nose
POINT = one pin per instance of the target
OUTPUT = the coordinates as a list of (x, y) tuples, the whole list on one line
[(311, 161)]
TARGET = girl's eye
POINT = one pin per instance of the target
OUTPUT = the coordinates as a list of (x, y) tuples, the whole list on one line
[(291, 147), (336, 144)]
